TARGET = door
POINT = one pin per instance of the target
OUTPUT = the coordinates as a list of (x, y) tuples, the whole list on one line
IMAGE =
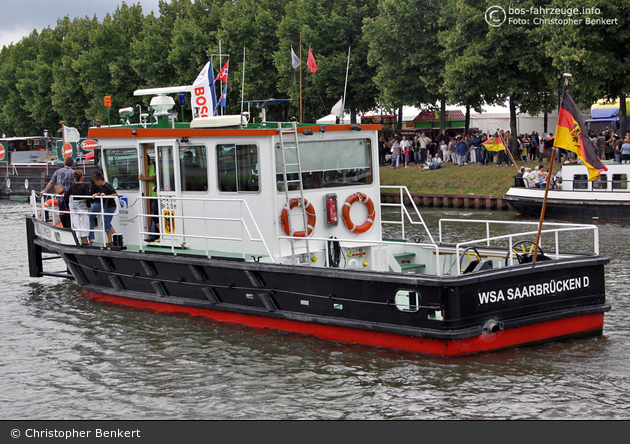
[(168, 190)]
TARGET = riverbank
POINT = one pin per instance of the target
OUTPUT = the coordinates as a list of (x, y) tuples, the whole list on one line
[(476, 179)]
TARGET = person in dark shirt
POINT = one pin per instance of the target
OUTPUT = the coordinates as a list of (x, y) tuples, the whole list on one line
[(100, 188), (64, 215), (79, 213)]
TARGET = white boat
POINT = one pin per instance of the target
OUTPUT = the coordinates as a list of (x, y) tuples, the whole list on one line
[(607, 198)]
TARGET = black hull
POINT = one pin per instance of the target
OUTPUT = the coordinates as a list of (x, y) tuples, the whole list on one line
[(354, 300), (582, 210)]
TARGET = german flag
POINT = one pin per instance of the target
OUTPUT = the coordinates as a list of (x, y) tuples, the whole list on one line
[(569, 137), (493, 143)]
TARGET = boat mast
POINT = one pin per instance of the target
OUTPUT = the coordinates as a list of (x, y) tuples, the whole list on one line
[(300, 76), (553, 155), (243, 86), (345, 88)]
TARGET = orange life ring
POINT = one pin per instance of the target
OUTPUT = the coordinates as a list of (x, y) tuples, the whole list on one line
[(50, 202), (310, 212), (358, 197), (47, 205)]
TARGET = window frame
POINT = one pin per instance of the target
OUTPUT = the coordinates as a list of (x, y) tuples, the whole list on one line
[(107, 172), (371, 167), (208, 166), (216, 158)]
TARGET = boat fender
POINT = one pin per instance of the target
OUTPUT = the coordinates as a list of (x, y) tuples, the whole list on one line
[(493, 326), (310, 223), (358, 229)]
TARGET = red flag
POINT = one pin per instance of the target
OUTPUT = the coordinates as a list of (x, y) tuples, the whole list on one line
[(223, 73), (311, 61)]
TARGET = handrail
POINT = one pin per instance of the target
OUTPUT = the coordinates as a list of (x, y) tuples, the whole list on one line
[(243, 209), (364, 242), (403, 210), (54, 209), (561, 227)]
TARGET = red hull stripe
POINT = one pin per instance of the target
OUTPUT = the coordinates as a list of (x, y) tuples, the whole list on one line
[(544, 331)]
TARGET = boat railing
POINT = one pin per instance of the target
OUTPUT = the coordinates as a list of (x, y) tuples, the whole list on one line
[(558, 228), (404, 192), (41, 211), (618, 185), (382, 246), (252, 234)]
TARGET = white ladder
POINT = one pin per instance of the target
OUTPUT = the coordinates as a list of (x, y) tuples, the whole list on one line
[(288, 142)]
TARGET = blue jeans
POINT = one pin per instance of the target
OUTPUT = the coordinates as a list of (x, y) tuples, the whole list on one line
[(96, 208), (154, 220)]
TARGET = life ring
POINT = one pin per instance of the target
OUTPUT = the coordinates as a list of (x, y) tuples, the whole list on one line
[(47, 206), (310, 212), (358, 197)]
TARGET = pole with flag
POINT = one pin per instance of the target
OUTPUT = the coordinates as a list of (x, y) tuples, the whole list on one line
[(569, 132), (345, 88)]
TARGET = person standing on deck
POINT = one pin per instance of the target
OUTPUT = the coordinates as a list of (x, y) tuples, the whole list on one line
[(79, 213), (155, 221), (100, 188), (64, 176)]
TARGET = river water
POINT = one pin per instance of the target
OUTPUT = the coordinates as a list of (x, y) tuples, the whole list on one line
[(64, 356)]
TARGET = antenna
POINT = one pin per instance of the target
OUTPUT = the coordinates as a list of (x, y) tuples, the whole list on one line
[(345, 88)]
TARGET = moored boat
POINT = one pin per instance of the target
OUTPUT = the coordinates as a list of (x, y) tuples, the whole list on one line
[(606, 199), (280, 225), (28, 163)]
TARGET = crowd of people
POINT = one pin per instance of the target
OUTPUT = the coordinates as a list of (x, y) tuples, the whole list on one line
[(81, 212), (464, 149)]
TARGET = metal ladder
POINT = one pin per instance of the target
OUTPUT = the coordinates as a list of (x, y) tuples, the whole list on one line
[(286, 145)]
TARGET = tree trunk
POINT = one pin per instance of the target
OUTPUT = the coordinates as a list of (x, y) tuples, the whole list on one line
[(442, 114), (545, 121), (513, 119), (353, 116), (400, 118), (467, 123), (623, 126)]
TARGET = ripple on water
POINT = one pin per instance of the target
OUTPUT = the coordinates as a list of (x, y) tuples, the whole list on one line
[(68, 357)]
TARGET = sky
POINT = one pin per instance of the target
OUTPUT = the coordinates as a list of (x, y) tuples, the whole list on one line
[(21, 17)]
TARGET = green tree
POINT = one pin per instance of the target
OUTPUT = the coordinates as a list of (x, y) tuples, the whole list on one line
[(595, 55), (329, 27), (405, 48)]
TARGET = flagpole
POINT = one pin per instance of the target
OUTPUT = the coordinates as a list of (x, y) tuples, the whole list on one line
[(243, 86), (506, 148), (300, 76), (345, 88), (553, 152), (221, 65)]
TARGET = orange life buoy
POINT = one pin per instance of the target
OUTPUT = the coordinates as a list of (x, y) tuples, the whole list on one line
[(310, 212), (49, 203), (358, 197)]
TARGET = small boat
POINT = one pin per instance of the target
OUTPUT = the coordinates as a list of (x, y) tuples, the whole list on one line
[(28, 163), (605, 199), (280, 225)]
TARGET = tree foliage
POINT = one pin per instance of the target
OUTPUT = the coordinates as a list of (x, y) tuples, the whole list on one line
[(404, 52)]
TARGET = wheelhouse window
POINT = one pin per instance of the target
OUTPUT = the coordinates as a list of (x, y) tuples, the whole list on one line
[(194, 168), (326, 164), (238, 168), (122, 168)]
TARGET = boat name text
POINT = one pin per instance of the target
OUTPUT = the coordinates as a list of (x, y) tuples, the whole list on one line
[(526, 291)]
